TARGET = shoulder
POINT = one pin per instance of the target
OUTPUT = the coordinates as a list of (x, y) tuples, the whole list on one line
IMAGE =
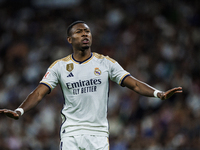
[(60, 61), (103, 58)]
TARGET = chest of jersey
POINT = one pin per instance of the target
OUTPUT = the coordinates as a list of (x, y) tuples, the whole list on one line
[(83, 78)]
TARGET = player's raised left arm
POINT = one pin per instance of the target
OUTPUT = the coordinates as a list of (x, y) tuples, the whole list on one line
[(146, 90)]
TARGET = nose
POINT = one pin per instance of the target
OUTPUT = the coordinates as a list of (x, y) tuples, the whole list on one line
[(85, 34)]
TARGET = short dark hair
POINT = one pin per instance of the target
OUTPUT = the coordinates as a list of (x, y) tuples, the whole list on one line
[(71, 25)]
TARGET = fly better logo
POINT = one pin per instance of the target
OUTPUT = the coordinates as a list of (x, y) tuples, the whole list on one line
[(85, 86)]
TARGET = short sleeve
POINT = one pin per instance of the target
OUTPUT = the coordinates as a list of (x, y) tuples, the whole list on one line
[(117, 73), (50, 79)]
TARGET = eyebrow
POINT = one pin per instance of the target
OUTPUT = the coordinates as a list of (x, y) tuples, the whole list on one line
[(82, 29)]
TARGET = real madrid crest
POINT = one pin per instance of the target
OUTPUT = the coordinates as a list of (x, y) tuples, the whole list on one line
[(70, 67), (97, 71)]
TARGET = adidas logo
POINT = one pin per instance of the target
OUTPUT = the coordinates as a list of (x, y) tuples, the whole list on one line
[(70, 75)]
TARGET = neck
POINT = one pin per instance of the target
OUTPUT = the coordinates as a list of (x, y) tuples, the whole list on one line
[(82, 55)]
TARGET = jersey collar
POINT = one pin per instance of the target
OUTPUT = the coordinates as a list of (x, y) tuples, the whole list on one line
[(82, 62)]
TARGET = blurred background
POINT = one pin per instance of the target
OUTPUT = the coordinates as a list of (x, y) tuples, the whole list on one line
[(157, 41)]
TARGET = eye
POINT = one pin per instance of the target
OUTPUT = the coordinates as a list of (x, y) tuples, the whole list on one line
[(78, 31)]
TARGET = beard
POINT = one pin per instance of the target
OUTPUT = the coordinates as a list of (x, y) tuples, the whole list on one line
[(85, 48)]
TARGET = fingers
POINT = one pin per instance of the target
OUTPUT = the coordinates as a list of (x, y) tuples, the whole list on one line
[(179, 88), (176, 90), (2, 110), (6, 111), (9, 113), (171, 92)]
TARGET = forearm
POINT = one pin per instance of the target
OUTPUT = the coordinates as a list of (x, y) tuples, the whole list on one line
[(144, 89), (34, 98), (139, 87), (31, 101)]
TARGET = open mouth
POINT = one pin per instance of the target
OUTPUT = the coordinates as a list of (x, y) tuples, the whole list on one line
[(85, 41)]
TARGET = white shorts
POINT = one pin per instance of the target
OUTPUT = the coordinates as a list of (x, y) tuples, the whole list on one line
[(84, 142)]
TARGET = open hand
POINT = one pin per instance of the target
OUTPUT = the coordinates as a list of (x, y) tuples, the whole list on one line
[(10, 113), (169, 93)]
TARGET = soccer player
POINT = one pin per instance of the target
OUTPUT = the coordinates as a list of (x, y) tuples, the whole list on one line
[(84, 79)]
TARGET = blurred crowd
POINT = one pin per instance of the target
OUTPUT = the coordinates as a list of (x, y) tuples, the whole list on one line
[(157, 41)]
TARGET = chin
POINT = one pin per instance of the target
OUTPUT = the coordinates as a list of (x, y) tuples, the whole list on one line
[(85, 47)]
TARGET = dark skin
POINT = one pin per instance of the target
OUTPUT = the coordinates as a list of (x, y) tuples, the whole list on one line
[(81, 40)]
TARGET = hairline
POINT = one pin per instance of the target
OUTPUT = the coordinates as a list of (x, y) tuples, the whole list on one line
[(72, 25)]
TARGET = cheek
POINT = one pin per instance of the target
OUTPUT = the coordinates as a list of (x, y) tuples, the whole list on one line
[(90, 38), (75, 40)]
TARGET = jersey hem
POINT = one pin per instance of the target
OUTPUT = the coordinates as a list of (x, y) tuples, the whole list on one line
[(84, 132)]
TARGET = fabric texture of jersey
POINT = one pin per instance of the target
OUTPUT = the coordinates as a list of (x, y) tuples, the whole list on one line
[(85, 86)]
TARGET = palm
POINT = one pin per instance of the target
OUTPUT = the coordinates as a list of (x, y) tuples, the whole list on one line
[(10, 113), (169, 93)]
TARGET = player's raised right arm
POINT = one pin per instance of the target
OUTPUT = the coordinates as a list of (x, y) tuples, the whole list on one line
[(31, 101)]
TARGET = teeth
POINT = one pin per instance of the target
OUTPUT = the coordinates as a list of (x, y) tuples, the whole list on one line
[(85, 40)]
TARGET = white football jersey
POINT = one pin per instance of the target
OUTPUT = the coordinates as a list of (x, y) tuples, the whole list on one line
[(85, 86)]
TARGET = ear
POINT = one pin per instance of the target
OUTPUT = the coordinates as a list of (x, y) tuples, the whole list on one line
[(69, 39)]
